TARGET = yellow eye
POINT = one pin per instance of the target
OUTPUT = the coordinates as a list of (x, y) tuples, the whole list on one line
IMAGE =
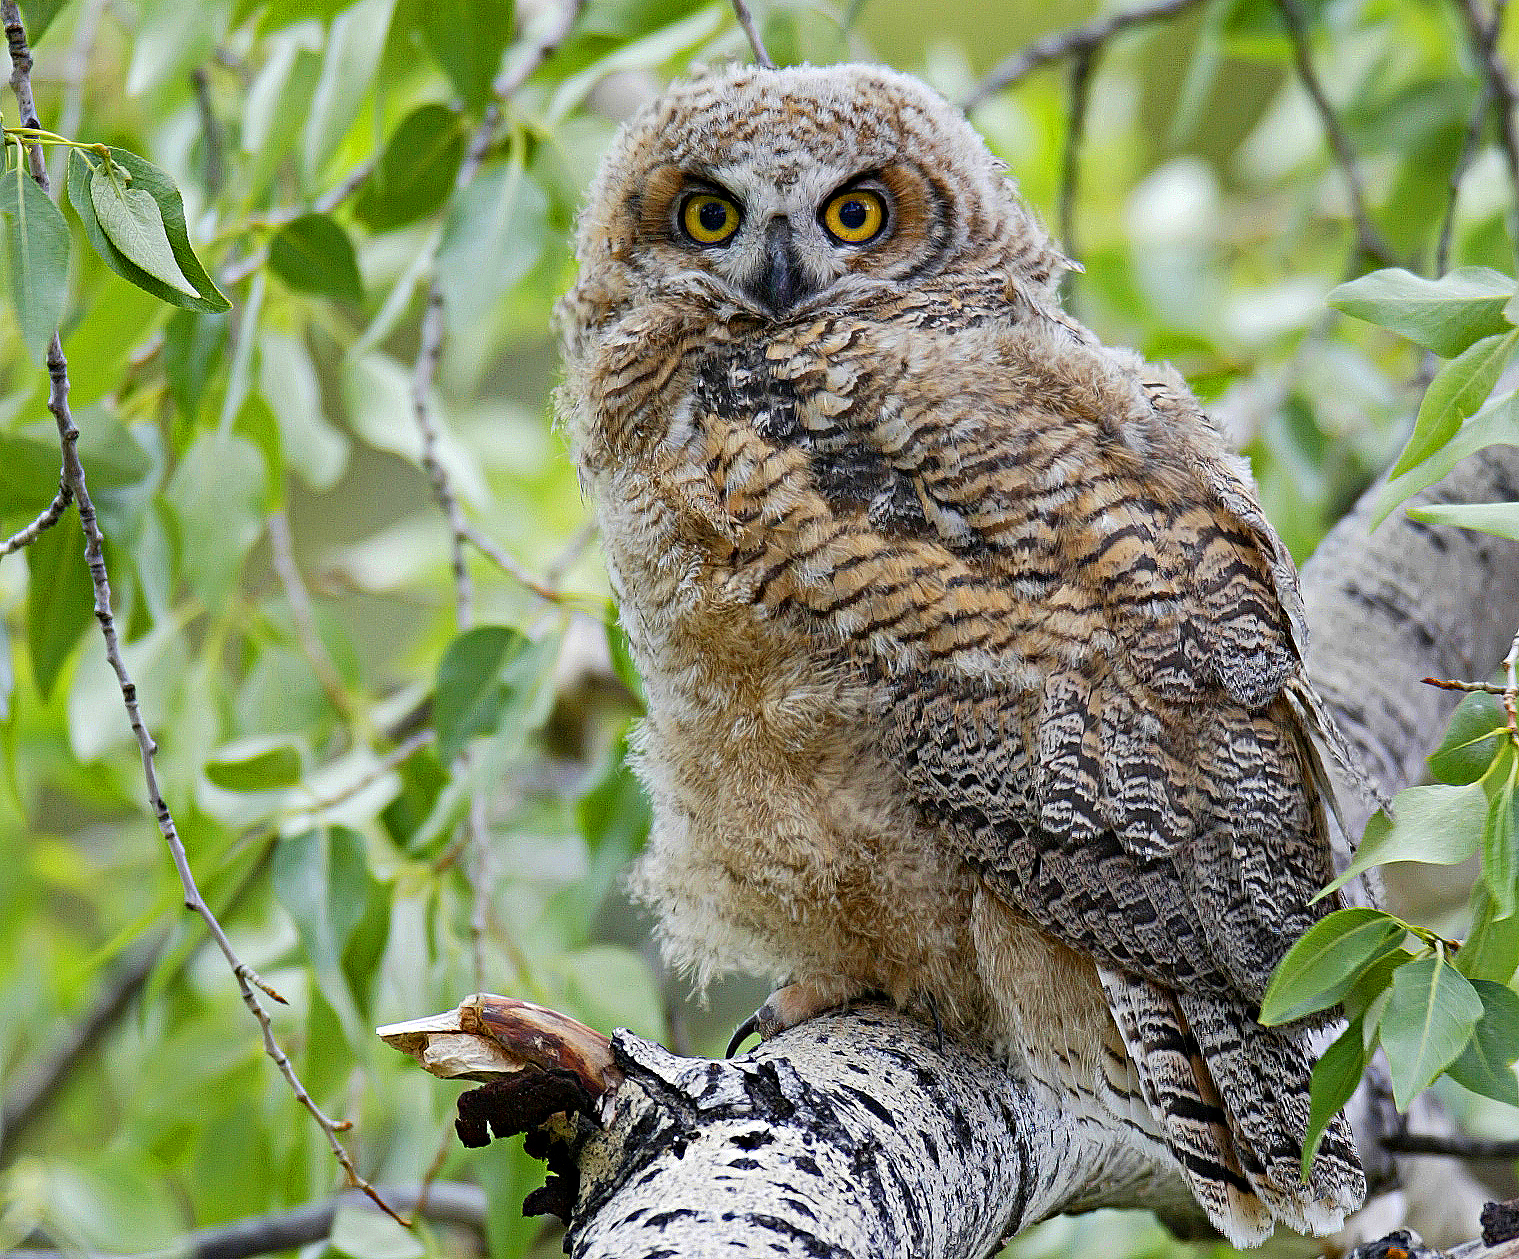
[(708, 219), (854, 217)]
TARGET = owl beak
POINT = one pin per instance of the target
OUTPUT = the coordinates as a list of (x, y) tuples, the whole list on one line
[(780, 283)]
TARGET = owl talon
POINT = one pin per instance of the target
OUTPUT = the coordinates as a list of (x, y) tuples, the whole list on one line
[(749, 1027)]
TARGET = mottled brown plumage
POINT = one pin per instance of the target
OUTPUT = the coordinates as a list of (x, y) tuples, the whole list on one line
[(974, 671)]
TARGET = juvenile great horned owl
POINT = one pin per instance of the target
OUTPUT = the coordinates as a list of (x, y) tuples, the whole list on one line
[(974, 671)]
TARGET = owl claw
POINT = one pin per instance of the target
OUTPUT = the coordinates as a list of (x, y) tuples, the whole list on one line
[(749, 1027)]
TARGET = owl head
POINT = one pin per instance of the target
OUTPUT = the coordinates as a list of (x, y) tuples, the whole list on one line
[(783, 192)]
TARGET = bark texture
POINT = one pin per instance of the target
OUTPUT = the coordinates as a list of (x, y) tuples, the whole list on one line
[(859, 1135)]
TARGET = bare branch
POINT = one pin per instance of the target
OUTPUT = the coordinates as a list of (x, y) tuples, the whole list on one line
[(1469, 143), (1451, 1146), (1082, 65), (392, 760), (49, 517), (751, 32), (73, 476), (1080, 39), (511, 567), (1497, 85), (1369, 240), (303, 615), (510, 80)]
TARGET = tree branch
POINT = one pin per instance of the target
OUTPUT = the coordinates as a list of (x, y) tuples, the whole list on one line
[(46, 520), (1497, 85), (1078, 40), (248, 980), (1369, 239), (751, 32), (448, 1202)]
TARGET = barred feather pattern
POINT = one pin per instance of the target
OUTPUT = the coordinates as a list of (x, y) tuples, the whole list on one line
[(974, 670)]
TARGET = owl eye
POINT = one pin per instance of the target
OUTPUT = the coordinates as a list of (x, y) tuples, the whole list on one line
[(709, 219), (854, 217)]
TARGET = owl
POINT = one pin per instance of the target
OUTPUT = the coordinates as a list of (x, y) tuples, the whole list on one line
[(974, 672)]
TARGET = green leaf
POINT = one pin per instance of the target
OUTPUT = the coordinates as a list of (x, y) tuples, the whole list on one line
[(1458, 390), (1321, 967), (217, 496), (39, 15), (1445, 315), (1486, 1064), (145, 177), (1497, 424), (622, 659), (60, 599), (1371, 983), (321, 878), (364, 1233), (257, 764), (1500, 845), (132, 222), (1427, 1024), (37, 251), (472, 692), (502, 216), (354, 44), (1491, 950), (287, 381), (1473, 738), (1439, 826), (467, 39), (415, 173), (312, 254), (1499, 519), (194, 346), (1336, 1076)]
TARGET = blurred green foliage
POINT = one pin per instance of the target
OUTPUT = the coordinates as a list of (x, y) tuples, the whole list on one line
[(322, 151)]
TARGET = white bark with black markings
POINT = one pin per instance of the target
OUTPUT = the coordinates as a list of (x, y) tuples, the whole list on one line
[(858, 1135)]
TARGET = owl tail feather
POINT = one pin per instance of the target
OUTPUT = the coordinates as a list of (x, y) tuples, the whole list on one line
[(1232, 1097)]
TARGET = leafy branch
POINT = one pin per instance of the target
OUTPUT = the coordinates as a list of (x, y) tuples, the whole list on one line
[(249, 983)]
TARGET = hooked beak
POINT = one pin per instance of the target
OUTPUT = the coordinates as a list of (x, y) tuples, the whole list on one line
[(780, 283)]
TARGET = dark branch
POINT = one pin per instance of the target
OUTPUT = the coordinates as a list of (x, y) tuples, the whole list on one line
[(1081, 39), (1369, 240), (1082, 66), (448, 1202), (1498, 86), (1450, 1147)]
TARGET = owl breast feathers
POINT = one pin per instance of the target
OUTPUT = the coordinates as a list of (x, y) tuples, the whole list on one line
[(974, 671)]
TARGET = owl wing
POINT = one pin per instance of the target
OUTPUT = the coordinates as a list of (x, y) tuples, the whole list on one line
[(1086, 640)]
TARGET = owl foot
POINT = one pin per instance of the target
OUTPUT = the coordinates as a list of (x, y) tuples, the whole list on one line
[(785, 1008)]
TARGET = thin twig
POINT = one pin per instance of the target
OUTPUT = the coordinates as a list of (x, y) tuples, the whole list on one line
[(1369, 240), (1453, 684), (1079, 39), (431, 349), (1511, 690), (751, 31), (510, 80), (1500, 87), (1451, 1147), (1475, 126), (49, 517), (1082, 66), (236, 272), (481, 881), (303, 615), (391, 761), (248, 981), (509, 566)]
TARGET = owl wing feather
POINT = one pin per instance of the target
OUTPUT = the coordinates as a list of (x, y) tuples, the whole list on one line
[(1086, 640)]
